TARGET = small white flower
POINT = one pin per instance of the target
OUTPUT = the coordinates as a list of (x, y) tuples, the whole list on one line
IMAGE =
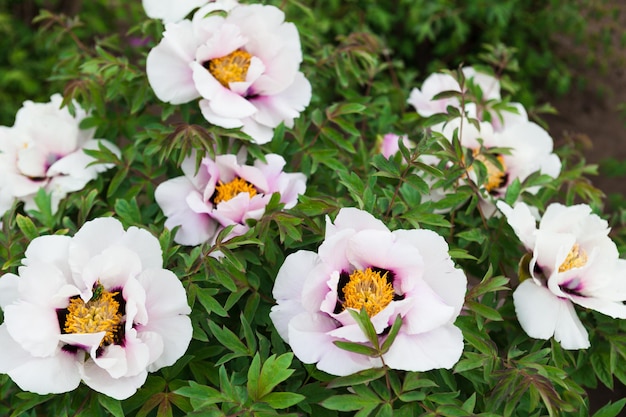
[(44, 149), (573, 262), (97, 306)]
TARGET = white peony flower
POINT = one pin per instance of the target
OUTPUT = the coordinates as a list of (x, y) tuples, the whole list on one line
[(362, 264), (244, 67), (44, 149), (573, 262), (97, 306)]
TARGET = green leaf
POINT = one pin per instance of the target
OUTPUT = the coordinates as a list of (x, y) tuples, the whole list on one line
[(280, 400), (27, 226), (209, 303), (274, 371), (611, 410), (364, 322), (361, 377), (356, 348), (393, 332), (112, 405), (348, 402), (228, 339)]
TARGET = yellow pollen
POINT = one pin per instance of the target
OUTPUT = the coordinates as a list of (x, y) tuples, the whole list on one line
[(368, 289), (230, 68), (100, 314), (576, 258), (226, 191), (495, 174)]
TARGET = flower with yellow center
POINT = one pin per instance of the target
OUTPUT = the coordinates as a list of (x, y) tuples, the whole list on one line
[(229, 190), (230, 68), (496, 175), (368, 289), (576, 258), (100, 314)]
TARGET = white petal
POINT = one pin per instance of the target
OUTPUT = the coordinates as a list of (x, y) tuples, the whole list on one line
[(522, 222), (440, 348), (291, 276), (9, 293), (355, 219), (52, 249), (170, 11), (167, 65), (35, 328), (144, 244), (118, 388), (51, 375), (175, 332), (542, 315)]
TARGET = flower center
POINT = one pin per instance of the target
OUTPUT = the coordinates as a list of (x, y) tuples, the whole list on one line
[(496, 176), (226, 191), (368, 289), (100, 314), (230, 68), (576, 258)]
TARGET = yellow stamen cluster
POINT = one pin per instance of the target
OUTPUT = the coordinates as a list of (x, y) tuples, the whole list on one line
[(226, 191), (230, 68), (495, 174), (576, 258), (100, 314), (368, 289)]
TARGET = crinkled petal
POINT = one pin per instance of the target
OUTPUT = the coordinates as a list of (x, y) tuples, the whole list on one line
[(100, 380)]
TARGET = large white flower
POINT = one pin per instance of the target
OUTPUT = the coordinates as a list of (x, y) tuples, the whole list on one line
[(224, 192), (97, 306), (44, 149), (573, 261), (244, 67), (361, 264)]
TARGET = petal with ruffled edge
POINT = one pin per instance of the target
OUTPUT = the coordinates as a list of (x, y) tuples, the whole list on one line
[(34, 327), (100, 380), (439, 348), (542, 315), (167, 308), (167, 65), (521, 221)]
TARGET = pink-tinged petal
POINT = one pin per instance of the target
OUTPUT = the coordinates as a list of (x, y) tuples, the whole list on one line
[(100, 380), (440, 348), (422, 100), (77, 163), (311, 344), (292, 275), (218, 120), (428, 311), (542, 315), (290, 186), (223, 102), (135, 295), (521, 221), (225, 40), (167, 65), (551, 249), (51, 375), (375, 248), (86, 341), (259, 133), (154, 342), (200, 176), (35, 328), (489, 85), (240, 208), (284, 106), (351, 218), (282, 313), (448, 282), (169, 11), (9, 284), (332, 251), (172, 196)]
